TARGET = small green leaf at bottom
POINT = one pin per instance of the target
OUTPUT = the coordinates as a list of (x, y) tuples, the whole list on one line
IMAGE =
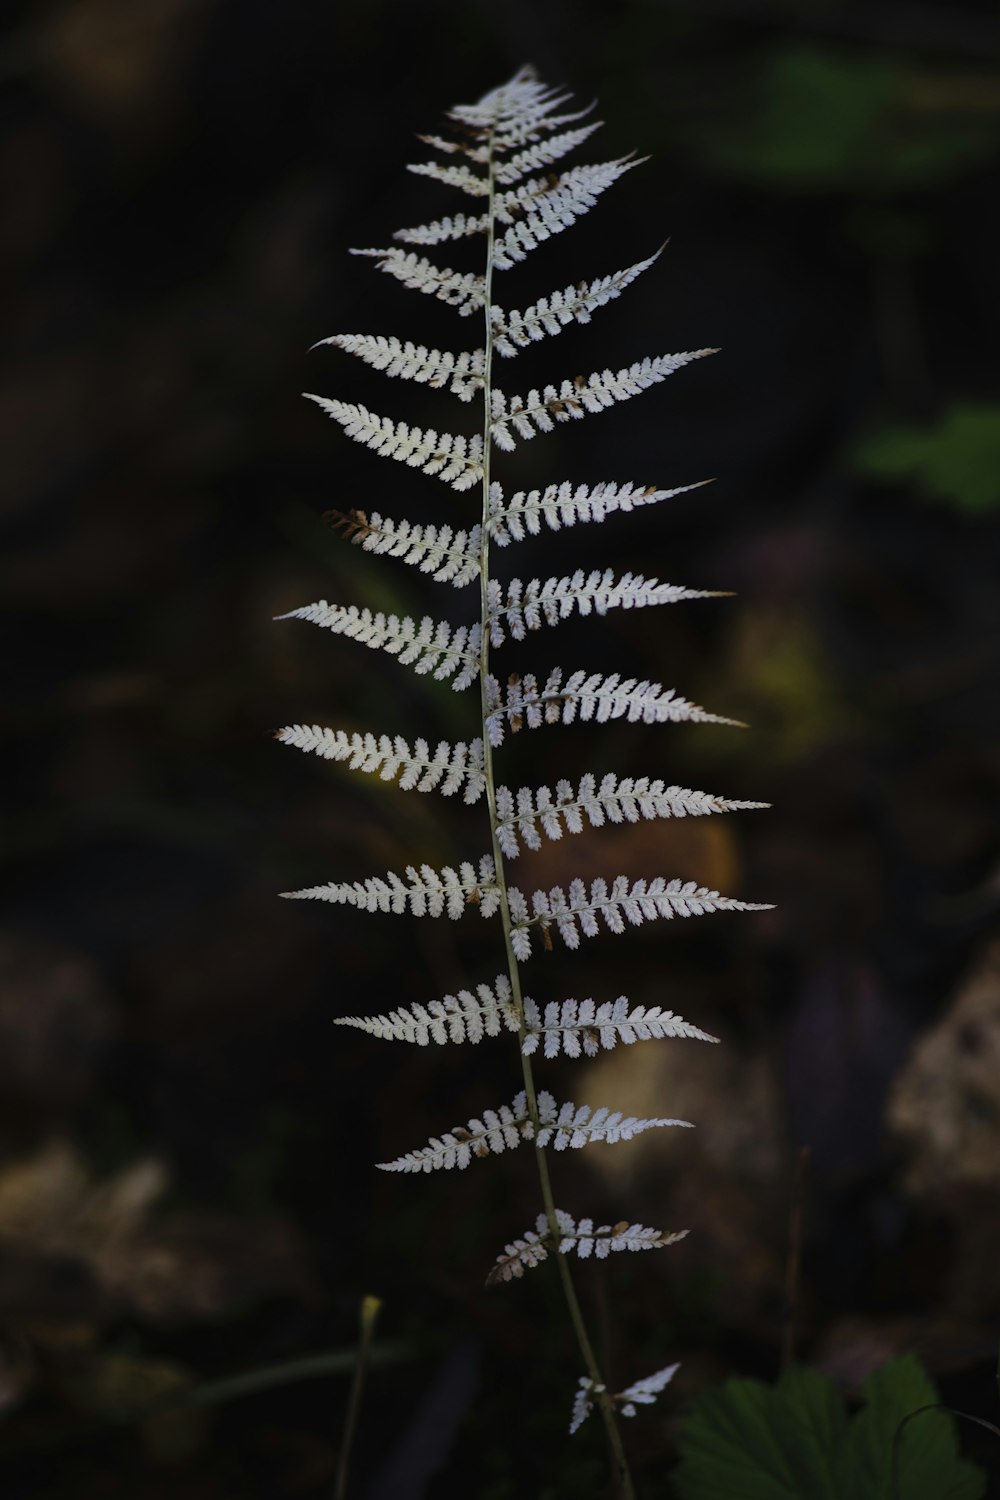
[(794, 1441)]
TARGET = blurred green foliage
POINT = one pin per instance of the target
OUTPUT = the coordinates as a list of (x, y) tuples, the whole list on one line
[(823, 119), (956, 460), (795, 1441)]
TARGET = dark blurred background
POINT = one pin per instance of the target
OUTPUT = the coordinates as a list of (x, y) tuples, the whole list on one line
[(186, 1142)]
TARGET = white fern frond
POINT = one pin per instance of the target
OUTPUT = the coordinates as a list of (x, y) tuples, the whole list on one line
[(583, 1402), (506, 207), (446, 651), (515, 330), (448, 556), (419, 768), (465, 1017), (535, 413), (546, 601), (585, 695), (459, 289), (562, 1126), (527, 814), (543, 153), (532, 121), (462, 373), (499, 1130), (459, 227), (457, 176), (532, 125), (425, 892), (508, 102), (449, 456), (574, 1126), (644, 1392), (560, 505), (635, 903), (478, 154), (516, 111), (535, 210), (534, 1247), (580, 1026), (556, 209), (546, 196)]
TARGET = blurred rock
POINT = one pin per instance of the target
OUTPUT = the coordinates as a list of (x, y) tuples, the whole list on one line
[(945, 1102), (55, 1215), (731, 1098)]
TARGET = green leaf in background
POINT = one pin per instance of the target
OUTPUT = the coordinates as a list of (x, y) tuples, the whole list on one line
[(929, 1465), (793, 1441), (957, 460), (820, 119), (810, 1419), (730, 1447)]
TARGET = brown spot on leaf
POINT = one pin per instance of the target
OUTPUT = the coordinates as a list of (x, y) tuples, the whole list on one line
[(353, 524)]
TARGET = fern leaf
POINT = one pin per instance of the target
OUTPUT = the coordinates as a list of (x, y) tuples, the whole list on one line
[(534, 1247), (515, 111), (532, 121), (478, 154), (585, 696), (560, 505), (534, 413), (644, 1392), (583, 1402), (418, 767), (535, 210), (554, 210), (527, 814), (425, 892), (461, 290), (642, 901), (454, 175), (462, 373), (463, 226), (544, 195), (448, 556), (580, 1026), (560, 1126), (458, 228), (533, 125), (455, 459), (543, 153), (499, 1130), (571, 1126), (540, 602), (465, 1017), (513, 331), (508, 103), (446, 651)]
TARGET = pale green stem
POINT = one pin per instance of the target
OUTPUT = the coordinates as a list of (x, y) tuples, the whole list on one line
[(601, 1395), (367, 1318)]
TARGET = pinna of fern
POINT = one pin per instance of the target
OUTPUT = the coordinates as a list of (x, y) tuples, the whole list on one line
[(499, 153)]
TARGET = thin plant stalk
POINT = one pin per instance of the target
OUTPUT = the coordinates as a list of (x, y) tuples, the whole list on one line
[(625, 1485), (370, 1308), (793, 1267)]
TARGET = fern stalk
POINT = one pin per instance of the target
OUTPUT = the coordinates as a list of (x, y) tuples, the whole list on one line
[(604, 1401)]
